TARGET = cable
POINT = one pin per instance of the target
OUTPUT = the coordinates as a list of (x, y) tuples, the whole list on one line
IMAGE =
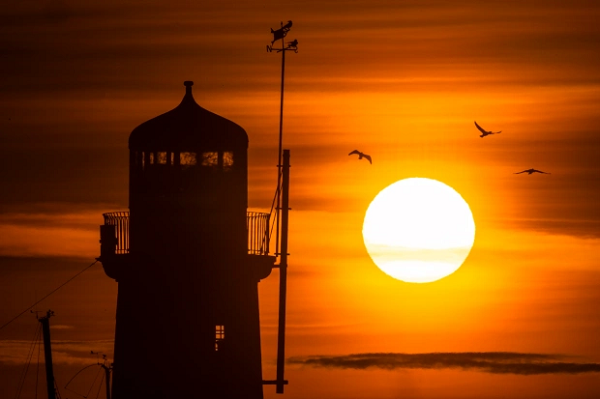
[(29, 356), (275, 220), (52, 292), (37, 371), (100, 386), (56, 391), (94, 382)]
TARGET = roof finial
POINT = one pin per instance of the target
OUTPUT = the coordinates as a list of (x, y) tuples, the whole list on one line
[(188, 86)]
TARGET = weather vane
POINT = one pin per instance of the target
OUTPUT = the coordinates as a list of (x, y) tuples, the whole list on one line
[(280, 34)]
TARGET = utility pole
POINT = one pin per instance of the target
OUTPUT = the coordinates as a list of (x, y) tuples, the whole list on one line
[(107, 378), (45, 320), (107, 370)]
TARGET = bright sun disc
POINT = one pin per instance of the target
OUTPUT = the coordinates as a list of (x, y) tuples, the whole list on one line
[(418, 230)]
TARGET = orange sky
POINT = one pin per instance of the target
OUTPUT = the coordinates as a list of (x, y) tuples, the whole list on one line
[(400, 80)]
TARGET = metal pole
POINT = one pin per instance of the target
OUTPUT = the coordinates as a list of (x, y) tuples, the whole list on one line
[(107, 376), (280, 382), (277, 221), (48, 354)]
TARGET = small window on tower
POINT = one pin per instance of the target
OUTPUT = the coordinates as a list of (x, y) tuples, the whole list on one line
[(227, 160), (161, 158), (219, 336), (187, 159), (151, 158), (210, 158)]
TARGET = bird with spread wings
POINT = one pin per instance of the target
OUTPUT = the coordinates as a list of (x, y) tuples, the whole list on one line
[(362, 155), (485, 132), (530, 171)]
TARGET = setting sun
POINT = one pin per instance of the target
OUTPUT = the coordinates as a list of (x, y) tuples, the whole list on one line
[(418, 230)]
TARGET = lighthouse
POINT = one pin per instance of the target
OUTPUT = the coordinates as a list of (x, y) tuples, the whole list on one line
[(187, 257)]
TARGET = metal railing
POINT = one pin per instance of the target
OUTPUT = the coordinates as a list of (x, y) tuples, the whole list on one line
[(121, 222), (257, 225)]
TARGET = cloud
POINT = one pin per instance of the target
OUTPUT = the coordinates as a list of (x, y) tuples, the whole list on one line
[(63, 352), (61, 327), (487, 362)]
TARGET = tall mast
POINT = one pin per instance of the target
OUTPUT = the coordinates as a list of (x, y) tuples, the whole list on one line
[(279, 34), (282, 201), (107, 378), (48, 354), (107, 370)]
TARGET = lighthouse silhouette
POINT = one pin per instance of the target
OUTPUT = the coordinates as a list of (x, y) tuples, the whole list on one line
[(188, 257)]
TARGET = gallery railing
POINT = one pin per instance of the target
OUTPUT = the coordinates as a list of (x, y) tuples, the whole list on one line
[(257, 225), (121, 222)]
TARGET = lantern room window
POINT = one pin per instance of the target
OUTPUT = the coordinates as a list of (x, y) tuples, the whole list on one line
[(210, 158), (187, 159), (138, 159), (161, 158), (214, 160), (227, 160)]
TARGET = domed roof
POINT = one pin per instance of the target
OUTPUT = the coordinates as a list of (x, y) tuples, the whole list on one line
[(188, 127)]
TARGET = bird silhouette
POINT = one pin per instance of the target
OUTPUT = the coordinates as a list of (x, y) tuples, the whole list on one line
[(287, 26), (530, 171), (485, 132), (362, 155)]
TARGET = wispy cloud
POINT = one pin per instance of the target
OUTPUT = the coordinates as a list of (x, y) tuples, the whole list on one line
[(487, 362), (63, 352)]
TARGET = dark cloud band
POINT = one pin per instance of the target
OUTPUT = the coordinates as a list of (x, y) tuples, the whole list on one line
[(487, 362)]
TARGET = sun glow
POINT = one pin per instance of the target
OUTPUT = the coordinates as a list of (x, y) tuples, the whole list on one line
[(418, 230)]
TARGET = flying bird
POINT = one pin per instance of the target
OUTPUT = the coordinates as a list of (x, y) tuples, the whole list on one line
[(485, 132), (530, 171), (362, 155)]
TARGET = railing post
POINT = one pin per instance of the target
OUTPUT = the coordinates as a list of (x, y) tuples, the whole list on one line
[(267, 238)]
